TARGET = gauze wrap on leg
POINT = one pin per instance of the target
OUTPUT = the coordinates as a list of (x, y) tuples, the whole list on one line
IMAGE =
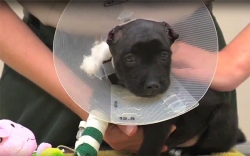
[(89, 142)]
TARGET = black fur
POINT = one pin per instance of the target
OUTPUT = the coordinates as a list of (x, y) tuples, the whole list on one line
[(142, 58)]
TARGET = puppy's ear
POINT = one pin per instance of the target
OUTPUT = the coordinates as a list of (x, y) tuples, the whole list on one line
[(114, 35), (170, 32)]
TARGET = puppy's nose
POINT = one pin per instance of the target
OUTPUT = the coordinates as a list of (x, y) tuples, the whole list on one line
[(153, 85)]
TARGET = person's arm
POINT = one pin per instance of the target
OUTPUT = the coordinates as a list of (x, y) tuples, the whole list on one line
[(233, 66), (231, 69), (25, 53)]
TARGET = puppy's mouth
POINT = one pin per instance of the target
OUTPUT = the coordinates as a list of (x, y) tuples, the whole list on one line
[(150, 94), (147, 93)]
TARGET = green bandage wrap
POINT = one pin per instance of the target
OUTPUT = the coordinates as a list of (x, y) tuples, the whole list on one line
[(85, 150), (94, 133), (89, 142)]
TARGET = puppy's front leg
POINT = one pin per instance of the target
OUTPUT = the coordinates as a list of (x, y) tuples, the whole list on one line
[(154, 139)]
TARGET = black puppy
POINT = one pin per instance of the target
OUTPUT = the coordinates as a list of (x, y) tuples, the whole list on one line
[(142, 59)]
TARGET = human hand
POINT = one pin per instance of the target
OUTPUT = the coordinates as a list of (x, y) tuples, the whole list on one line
[(190, 142), (126, 138), (192, 63)]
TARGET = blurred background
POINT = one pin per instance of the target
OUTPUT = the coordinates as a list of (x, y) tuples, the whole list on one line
[(232, 18)]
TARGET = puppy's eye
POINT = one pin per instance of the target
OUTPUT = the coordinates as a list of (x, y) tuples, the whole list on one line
[(12, 125), (1, 139), (164, 56), (129, 58)]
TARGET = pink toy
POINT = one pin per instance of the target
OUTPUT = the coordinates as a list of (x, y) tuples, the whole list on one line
[(16, 139), (42, 147)]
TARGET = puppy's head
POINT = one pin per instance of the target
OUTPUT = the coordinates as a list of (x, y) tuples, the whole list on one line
[(142, 56)]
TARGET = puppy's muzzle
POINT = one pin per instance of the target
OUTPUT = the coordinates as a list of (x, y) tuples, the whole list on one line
[(152, 86)]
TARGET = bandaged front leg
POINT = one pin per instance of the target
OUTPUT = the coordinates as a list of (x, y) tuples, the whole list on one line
[(89, 142)]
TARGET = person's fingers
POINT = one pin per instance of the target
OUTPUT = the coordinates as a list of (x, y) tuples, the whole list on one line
[(111, 135), (129, 130), (164, 149), (118, 140), (114, 130), (173, 128), (190, 142), (116, 136)]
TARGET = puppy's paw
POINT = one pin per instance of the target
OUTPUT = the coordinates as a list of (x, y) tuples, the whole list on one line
[(92, 63)]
